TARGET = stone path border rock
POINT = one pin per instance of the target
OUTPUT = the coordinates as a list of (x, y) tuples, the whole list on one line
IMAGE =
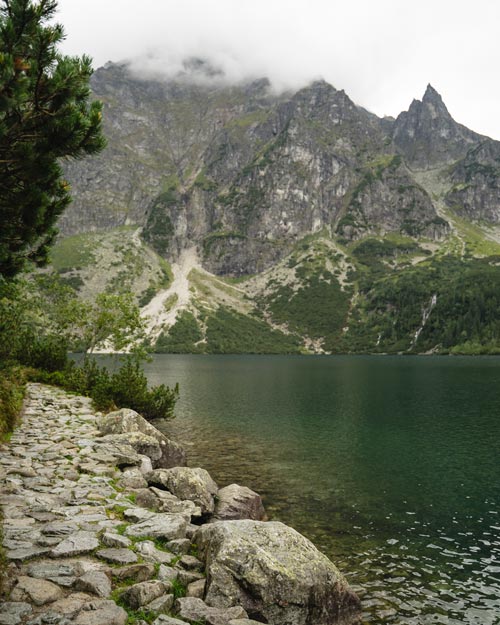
[(92, 536)]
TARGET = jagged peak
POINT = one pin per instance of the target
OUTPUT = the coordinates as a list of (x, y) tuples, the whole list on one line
[(432, 97)]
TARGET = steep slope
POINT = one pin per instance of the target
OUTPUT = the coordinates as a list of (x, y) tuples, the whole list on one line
[(297, 222)]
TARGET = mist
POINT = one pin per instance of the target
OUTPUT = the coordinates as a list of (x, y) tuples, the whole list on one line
[(383, 53)]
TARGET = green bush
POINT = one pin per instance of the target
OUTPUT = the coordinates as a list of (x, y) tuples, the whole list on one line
[(47, 352), (12, 382), (126, 388)]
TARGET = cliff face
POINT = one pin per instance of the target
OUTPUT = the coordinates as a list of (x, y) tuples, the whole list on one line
[(427, 135), (475, 193), (243, 174)]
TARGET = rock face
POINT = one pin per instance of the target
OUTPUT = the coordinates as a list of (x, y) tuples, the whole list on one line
[(475, 193), (275, 573), (427, 135), (244, 174), (128, 426)]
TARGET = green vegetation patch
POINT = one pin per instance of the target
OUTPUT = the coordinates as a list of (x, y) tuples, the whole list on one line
[(460, 297), (74, 252), (182, 337), (12, 386), (372, 250), (318, 309), (229, 332)]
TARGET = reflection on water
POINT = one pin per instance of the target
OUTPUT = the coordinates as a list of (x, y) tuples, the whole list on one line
[(390, 465)]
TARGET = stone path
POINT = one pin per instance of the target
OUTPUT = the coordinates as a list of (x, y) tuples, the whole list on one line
[(80, 549)]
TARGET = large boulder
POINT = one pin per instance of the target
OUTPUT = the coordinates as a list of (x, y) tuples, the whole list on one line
[(238, 502), (165, 453), (274, 573), (193, 484)]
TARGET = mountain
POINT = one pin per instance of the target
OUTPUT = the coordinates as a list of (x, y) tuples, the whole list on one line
[(294, 221)]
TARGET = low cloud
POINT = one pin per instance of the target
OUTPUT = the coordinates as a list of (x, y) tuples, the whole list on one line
[(383, 53)]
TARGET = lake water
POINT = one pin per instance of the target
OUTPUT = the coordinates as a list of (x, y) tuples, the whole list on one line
[(390, 465)]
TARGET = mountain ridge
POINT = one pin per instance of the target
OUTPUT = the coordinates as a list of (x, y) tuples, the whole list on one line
[(244, 176)]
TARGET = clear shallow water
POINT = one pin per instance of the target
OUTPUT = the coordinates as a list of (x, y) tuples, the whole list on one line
[(391, 465)]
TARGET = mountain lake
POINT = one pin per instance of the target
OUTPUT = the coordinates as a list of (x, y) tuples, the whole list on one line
[(390, 465)]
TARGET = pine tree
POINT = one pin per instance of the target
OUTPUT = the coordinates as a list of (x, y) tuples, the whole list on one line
[(45, 115)]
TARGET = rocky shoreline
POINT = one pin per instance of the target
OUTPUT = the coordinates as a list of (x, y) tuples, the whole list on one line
[(104, 524)]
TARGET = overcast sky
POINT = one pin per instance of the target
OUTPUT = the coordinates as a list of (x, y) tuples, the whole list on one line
[(382, 52)]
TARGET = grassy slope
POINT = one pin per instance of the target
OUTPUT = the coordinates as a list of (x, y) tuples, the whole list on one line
[(367, 297)]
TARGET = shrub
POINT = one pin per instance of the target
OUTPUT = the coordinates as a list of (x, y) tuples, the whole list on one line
[(126, 388), (11, 399)]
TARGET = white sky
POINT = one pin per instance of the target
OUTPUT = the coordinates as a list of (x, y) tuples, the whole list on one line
[(382, 52)]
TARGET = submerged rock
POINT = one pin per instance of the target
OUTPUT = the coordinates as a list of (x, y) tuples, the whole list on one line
[(275, 573)]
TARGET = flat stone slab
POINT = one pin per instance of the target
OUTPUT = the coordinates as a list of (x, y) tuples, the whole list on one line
[(27, 553), (194, 609), (102, 612), (13, 612), (169, 526), (95, 582), (118, 556), (37, 591), (78, 543)]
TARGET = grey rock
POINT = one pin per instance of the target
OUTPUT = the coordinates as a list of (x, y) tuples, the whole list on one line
[(169, 526), (166, 502), (150, 553), (36, 591), (138, 572), (196, 589), (146, 499), (122, 453), (128, 421), (94, 582), (132, 478), (13, 612), (180, 546), (244, 621), (274, 572), (78, 543), (60, 574), (194, 484), (190, 563), (50, 618), (188, 577), (115, 540), (143, 593), (27, 553), (194, 609), (23, 471), (102, 612), (136, 515), (163, 619), (141, 443), (167, 573), (238, 502), (59, 528), (162, 604), (118, 556), (146, 465), (191, 530)]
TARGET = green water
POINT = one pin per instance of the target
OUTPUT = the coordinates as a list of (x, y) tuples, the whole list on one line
[(389, 464)]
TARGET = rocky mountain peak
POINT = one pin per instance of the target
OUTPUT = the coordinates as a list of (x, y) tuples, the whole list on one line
[(427, 135)]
